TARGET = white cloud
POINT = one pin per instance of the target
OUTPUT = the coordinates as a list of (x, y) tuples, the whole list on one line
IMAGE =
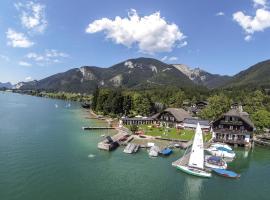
[(248, 37), (16, 39), (252, 24), (173, 58), (182, 44), (28, 78), (220, 14), (164, 58), (26, 64), (47, 57), (32, 16), (260, 3), (151, 33), (3, 57), (167, 58)]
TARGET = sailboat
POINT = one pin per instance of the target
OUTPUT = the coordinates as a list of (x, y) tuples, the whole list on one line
[(195, 165)]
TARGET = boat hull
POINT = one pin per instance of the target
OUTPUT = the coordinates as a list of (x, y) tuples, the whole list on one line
[(222, 154), (226, 173), (194, 172)]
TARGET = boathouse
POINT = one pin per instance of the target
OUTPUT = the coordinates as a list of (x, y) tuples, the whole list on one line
[(172, 117), (233, 127)]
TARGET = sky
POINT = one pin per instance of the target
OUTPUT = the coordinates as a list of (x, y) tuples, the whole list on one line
[(43, 37)]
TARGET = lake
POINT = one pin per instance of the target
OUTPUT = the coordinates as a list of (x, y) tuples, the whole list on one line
[(44, 155)]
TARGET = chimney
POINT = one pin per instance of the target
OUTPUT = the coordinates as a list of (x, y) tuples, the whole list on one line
[(240, 108)]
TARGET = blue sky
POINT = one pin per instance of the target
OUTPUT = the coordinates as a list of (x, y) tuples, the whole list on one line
[(40, 38)]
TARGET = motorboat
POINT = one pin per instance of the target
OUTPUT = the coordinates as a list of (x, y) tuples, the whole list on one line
[(153, 152), (215, 162), (221, 152), (221, 145)]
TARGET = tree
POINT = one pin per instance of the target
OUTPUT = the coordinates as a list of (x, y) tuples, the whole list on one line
[(177, 99), (127, 104), (133, 128), (142, 104), (95, 98), (261, 119), (217, 105)]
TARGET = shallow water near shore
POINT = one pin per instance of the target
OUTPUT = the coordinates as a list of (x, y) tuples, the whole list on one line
[(44, 155)]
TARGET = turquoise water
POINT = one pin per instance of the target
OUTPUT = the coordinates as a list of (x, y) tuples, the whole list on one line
[(44, 155)]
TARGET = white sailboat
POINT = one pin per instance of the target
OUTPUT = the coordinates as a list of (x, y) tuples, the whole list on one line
[(195, 165)]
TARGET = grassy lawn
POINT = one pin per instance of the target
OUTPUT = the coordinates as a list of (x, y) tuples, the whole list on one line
[(171, 133)]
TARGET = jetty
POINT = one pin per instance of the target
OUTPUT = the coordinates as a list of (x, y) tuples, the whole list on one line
[(96, 127), (262, 140), (112, 142)]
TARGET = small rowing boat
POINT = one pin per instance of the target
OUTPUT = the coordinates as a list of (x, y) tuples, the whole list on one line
[(226, 173)]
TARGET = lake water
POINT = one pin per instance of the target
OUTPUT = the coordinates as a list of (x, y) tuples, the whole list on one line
[(44, 155)]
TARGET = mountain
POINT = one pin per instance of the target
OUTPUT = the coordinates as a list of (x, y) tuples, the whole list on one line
[(201, 77), (255, 76), (132, 73), (6, 85)]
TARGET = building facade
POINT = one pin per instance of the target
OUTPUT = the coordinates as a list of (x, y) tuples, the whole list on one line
[(172, 117), (233, 127)]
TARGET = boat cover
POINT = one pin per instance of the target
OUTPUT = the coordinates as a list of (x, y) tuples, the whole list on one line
[(225, 172), (224, 149)]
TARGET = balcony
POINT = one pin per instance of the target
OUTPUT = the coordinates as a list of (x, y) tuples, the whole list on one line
[(238, 123), (237, 141), (228, 131)]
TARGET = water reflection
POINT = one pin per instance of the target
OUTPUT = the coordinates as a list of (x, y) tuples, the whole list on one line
[(192, 188)]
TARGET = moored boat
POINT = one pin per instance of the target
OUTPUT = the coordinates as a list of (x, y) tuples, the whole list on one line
[(166, 151), (195, 165), (129, 148), (215, 162), (217, 144), (221, 152), (226, 173), (153, 152)]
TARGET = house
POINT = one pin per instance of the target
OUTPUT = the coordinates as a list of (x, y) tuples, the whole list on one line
[(198, 106), (138, 120), (191, 123), (233, 127), (172, 117)]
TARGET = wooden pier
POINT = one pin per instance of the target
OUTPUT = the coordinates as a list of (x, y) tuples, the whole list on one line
[(96, 128), (114, 141), (262, 140)]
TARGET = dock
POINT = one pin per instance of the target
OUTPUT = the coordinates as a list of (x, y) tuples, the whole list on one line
[(111, 143), (96, 128), (262, 140)]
